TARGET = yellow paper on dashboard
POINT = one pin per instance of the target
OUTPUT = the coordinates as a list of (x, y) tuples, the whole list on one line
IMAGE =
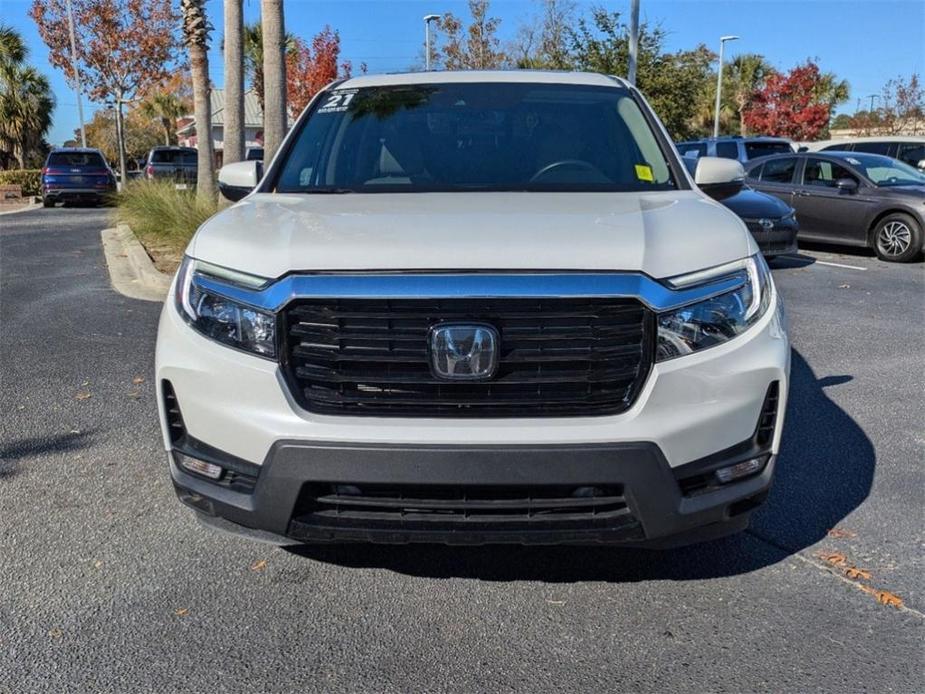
[(644, 173)]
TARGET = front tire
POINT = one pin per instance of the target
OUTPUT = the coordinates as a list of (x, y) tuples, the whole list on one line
[(48, 202), (897, 238)]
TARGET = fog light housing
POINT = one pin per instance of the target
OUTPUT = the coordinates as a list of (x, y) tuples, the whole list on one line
[(725, 475), (200, 467)]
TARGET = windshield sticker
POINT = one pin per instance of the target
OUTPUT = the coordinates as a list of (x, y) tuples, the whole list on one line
[(337, 102), (644, 173)]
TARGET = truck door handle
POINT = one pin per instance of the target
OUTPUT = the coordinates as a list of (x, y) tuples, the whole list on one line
[(803, 193)]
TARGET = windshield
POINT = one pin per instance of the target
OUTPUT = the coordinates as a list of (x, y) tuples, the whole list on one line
[(475, 137), (884, 171)]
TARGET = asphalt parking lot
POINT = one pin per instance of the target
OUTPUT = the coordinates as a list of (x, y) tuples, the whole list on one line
[(108, 584)]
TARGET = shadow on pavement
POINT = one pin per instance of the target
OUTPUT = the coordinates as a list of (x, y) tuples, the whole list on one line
[(824, 472), (11, 452)]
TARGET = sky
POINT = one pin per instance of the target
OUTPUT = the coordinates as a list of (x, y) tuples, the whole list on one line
[(864, 41)]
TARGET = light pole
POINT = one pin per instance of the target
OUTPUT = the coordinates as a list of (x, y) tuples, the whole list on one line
[(427, 20), (634, 42), (80, 105), (872, 97), (719, 82)]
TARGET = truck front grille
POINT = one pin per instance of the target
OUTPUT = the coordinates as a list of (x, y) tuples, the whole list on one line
[(559, 357)]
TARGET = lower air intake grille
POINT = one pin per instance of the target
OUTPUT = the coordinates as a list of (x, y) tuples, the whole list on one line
[(409, 507), (558, 357)]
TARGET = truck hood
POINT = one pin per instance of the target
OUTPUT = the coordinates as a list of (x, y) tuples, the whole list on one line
[(660, 234)]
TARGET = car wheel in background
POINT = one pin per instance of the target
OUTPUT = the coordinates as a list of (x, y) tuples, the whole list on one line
[(48, 202), (897, 238)]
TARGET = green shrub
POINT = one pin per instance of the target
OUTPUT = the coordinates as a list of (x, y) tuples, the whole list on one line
[(159, 214), (29, 179)]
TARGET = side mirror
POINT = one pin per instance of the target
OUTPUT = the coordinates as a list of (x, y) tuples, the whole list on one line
[(847, 185), (719, 178), (237, 180)]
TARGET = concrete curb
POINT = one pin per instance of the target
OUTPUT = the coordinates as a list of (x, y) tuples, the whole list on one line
[(130, 269), (33, 205)]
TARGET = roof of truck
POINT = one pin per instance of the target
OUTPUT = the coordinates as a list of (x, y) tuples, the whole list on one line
[(474, 76)]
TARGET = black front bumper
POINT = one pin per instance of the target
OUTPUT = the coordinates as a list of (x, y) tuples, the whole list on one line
[(661, 506), (780, 240)]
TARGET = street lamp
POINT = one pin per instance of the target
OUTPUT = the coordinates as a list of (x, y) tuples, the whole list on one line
[(719, 82), (427, 20)]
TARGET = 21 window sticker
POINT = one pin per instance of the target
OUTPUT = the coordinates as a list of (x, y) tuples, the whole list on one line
[(337, 102)]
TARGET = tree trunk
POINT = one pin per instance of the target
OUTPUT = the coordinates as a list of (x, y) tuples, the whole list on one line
[(202, 110), (120, 144), (274, 76), (233, 144), (165, 124)]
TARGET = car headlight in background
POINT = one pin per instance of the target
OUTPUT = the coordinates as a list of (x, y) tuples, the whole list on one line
[(221, 319), (720, 318)]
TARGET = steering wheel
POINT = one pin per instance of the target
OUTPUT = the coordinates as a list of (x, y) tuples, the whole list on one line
[(576, 163)]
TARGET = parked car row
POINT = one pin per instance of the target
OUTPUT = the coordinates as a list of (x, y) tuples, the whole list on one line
[(867, 192)]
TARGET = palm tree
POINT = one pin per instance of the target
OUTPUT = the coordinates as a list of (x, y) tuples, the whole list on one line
[(745, 74), (253, 57), (26, 101), (274, 76), (196, 35), (233, 129), (166, 108)]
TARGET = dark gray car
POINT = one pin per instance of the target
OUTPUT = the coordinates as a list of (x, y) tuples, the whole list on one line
[(849, 198), (178, 164)]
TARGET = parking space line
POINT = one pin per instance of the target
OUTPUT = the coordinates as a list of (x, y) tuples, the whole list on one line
[(849, 267)]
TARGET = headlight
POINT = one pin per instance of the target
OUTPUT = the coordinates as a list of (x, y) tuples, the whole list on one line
[(221, 319), (718, 319)]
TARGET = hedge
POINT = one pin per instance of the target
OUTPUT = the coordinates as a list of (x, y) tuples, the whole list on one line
[(28, 179)]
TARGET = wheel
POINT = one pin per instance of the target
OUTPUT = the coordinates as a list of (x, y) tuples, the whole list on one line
[(897, 238), (48, 202)]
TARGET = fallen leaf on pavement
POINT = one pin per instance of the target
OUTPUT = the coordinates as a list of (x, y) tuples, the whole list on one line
[(833, 558), (182, 612), (841, 532), (55, 633), (82, 395), (138, 379), (259, 565), (97, 564), (856, 573), (844, 286), (556, 602), (884, 597)]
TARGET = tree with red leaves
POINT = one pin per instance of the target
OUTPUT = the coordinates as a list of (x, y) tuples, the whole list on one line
[(790, 104), (310, 68), (123, 46)]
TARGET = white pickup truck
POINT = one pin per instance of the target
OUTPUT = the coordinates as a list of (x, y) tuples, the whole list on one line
[(479, 307)]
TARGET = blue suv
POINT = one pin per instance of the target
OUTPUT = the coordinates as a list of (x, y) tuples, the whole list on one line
[(76, 175)]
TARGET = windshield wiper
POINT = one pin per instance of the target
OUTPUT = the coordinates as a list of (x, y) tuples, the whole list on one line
[(329, 190)]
